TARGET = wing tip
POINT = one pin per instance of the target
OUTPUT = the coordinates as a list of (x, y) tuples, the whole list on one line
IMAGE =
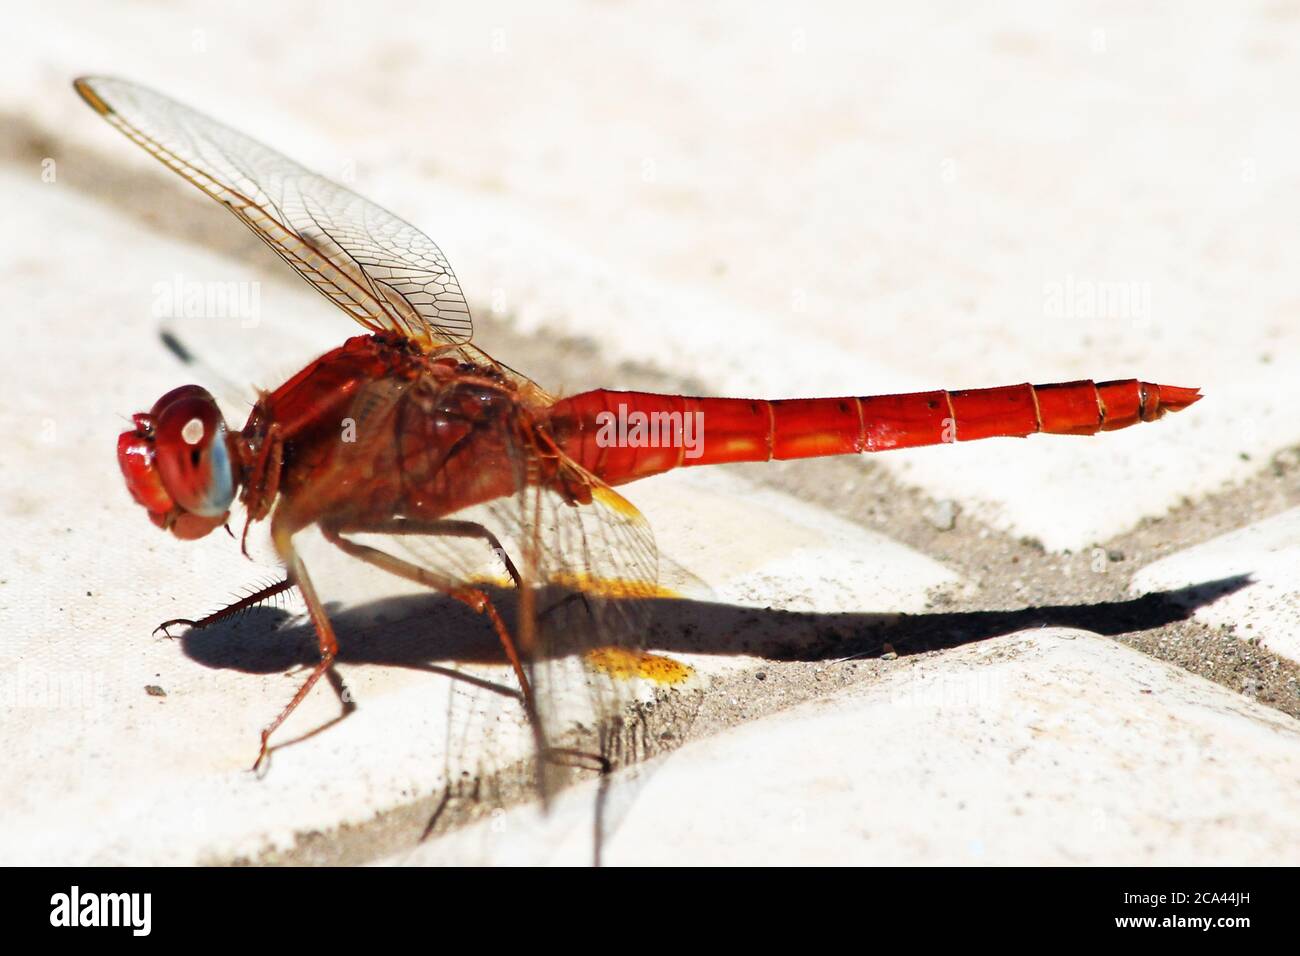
[(86, 91)]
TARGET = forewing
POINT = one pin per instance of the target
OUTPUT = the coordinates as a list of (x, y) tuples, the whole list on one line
[(379, 269)]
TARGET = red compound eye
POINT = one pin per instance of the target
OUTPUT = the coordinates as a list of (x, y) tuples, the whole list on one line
[(136, 456), (177, 464), (192, 457)]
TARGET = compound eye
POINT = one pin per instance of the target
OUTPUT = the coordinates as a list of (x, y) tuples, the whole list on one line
[(193, 458), (139, 463)]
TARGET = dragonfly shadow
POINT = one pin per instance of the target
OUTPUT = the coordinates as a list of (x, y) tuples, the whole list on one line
[(421, 632), (435, 633)]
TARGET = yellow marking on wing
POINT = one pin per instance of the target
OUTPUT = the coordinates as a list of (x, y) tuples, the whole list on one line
[(624, 664), (580, 581), (612, 499), (491, 581), (611, 587)]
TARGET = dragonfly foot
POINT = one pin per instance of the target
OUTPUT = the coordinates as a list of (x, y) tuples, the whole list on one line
[(263, 761), (175, 622)]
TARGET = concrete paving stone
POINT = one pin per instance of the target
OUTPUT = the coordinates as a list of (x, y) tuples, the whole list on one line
[(1041, 747), (1267, 610)]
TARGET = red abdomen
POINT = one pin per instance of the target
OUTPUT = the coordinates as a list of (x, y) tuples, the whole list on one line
[(621, 436)]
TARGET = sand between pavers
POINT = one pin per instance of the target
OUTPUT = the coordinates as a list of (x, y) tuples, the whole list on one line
[(1267, 610)]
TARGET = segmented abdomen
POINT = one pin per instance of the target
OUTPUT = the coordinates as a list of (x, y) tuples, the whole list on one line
[(620, 436)]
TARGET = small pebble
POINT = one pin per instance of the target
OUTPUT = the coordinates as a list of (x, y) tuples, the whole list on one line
[(153, 690), (943, 516), (761, 675)]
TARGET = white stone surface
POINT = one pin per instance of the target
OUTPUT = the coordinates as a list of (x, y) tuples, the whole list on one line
[(1268, 608), (1042, 747)]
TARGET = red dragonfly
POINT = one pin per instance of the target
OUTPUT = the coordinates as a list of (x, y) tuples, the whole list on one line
[(410, 432)]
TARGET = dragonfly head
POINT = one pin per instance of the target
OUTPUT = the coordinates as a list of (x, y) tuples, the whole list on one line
[(178, 464)]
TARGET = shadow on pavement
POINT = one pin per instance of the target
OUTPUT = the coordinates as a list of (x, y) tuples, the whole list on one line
[(422, 631)]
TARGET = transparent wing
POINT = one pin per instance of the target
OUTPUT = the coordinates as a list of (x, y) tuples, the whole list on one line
[(599, 688), (582, 619), (379, 269)]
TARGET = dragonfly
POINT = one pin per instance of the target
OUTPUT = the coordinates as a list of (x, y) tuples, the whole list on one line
[(411, 436)]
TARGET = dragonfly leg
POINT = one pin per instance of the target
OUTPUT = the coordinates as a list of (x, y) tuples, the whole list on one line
[(459, 529), (446, 528), (472, 597), (329, 646), (231, 610), (561, 756), (264, 481)]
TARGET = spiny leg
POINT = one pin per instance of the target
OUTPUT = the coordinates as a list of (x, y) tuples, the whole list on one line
[(444, 528), (472, 597), (452, 529), (560, 756), (329, 646), (231, 610), (459, 528)]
